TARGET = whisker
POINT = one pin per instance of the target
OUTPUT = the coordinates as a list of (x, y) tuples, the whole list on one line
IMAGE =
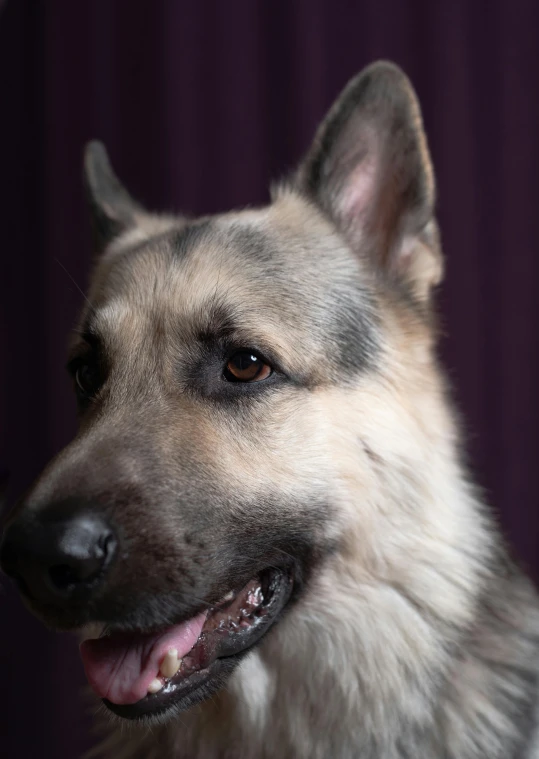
[(280, 550), (75, 283)]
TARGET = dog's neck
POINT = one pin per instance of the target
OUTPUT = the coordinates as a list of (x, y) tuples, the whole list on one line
[(378, 668)]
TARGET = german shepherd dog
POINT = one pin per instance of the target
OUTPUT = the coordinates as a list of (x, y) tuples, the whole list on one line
[(263, 528)]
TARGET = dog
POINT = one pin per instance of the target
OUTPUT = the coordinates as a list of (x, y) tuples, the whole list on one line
[(264, 529)]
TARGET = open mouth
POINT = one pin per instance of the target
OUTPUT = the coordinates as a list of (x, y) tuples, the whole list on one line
[(142, 675)]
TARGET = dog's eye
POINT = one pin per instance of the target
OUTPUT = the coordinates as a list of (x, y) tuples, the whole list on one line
[(87, 379), (245, 366)]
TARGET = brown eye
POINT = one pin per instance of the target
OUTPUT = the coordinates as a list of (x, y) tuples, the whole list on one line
[(245, 366)]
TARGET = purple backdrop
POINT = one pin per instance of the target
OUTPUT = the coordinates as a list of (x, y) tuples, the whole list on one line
[(201, 102)]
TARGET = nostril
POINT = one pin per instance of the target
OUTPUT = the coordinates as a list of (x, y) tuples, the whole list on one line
[(107, 543)]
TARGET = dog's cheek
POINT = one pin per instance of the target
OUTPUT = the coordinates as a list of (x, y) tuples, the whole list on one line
[(228, 493), (276, 442)]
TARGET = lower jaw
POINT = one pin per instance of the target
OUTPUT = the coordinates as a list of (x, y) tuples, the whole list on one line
[(174, 698)]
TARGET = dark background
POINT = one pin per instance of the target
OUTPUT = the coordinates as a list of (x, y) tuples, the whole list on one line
[(200, 103)]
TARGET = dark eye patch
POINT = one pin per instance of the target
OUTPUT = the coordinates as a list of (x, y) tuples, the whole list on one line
[(223, 371)]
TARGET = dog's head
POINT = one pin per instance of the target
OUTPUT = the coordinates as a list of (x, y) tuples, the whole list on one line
[(238, 379)]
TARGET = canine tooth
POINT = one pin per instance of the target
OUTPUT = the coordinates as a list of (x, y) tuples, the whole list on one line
[(170, 664), (155, 686)]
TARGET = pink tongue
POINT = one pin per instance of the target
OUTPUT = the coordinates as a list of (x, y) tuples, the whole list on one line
[(121, 667)]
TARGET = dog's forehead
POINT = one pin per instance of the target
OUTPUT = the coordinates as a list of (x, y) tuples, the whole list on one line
[(281, 273)]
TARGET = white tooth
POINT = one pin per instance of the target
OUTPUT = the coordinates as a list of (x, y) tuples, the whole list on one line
[(170, 664), (155, 686)]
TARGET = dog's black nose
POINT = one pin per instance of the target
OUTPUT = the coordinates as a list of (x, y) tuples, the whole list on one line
[(55, 560)]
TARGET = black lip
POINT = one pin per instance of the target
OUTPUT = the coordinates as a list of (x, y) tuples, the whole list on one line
[(181, 693), (177, 698)]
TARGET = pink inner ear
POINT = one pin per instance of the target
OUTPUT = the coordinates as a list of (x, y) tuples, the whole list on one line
[(358, 192), (357, 163)]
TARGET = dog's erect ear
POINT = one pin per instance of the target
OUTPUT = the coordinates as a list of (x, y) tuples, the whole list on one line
[(113, 209), (369, 169)]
